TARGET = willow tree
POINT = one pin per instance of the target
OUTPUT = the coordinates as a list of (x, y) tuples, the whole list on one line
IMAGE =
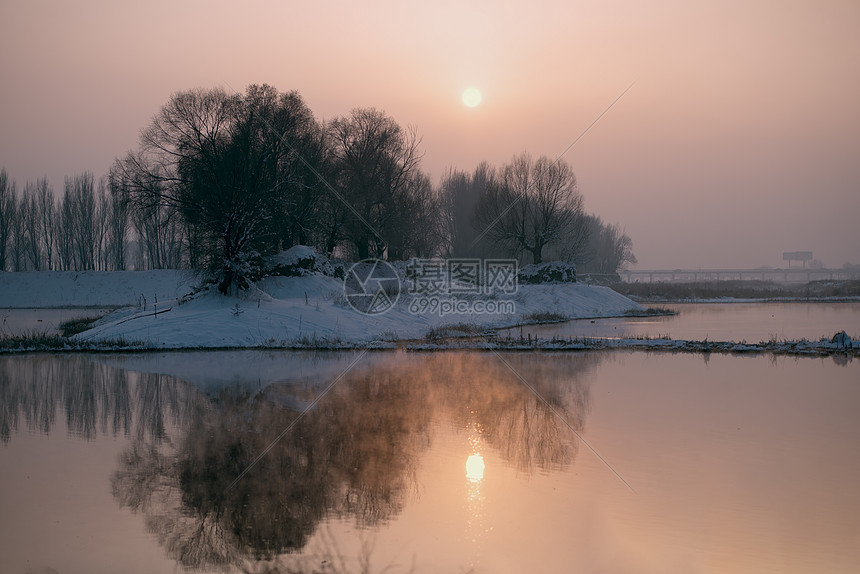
[(232, 167)]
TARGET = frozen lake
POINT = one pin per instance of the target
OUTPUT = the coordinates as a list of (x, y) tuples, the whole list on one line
[(439, 462)]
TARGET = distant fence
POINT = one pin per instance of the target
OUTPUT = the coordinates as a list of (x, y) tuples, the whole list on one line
[(797, 275)]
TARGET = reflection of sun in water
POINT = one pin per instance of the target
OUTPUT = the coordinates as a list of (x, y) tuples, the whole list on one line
[(472, 97), (475, 468), (476, 517)]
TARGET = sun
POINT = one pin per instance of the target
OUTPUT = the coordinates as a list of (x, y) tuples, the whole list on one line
[(472, 97), (475, 466)]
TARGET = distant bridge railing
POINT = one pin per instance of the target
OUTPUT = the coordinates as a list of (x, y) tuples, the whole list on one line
[(795, 275)]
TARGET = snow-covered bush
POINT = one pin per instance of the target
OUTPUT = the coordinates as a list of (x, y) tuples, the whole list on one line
[(301, 260), (843, 341), (550, 272), (236, 274)]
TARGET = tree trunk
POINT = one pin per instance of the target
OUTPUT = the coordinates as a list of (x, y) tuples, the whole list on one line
[(363, 246)]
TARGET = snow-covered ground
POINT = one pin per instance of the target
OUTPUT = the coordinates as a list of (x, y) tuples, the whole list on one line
[(278, 311)]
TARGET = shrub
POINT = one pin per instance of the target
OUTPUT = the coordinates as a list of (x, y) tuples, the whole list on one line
[(551, 272)]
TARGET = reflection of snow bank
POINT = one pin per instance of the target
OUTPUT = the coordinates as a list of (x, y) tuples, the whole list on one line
[(250, 370)]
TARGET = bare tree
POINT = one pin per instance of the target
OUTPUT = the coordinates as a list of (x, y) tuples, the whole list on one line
[(80, 214), (608, 249), (65, 232), (376, 164), (27, 211), (159, 236), (18, 240), (38, 234), (417, 232), (8, 213), (460, 193), (535, 204), (103, 214), (46, 215), (36, 210), (117, 223)]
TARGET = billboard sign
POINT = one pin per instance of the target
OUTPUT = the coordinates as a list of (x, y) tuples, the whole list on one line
[(803, 256)]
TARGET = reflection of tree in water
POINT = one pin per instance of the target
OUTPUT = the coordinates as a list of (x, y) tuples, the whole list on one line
[(354, 455), (96, 399), (511, 418)]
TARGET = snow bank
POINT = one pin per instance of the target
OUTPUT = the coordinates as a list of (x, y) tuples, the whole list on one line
[(301, 303), (313, 310)]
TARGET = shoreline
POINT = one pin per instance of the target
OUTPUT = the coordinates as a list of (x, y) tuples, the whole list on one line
[(730, 300), (847, 347)]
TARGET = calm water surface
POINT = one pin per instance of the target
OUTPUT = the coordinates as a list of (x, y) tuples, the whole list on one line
[(443, 462), (750, 322)]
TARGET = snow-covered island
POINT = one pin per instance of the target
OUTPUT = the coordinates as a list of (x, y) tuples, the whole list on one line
[(305, 301), (301, 303)]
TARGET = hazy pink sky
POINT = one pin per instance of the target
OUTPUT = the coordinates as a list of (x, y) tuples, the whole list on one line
[(739, 140)]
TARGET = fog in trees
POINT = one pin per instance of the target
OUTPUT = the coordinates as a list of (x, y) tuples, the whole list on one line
[(608, 247), (462, 232)]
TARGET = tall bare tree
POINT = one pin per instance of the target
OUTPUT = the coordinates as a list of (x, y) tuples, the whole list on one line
[(46, 209), (28, 211), (460, 193), (159, 238), (608, 249), (18, 239), (376, 163), (8, 212), (534, 204), (417, 232), (80, 216), (66, 231), (117, 223)]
